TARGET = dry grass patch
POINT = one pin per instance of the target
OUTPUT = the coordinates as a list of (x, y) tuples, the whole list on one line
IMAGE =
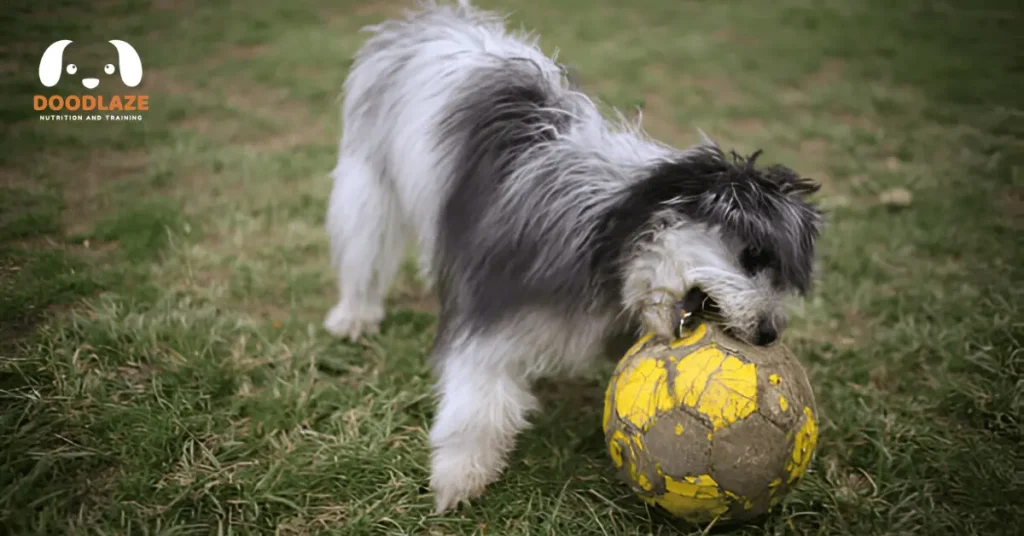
[(93, 176), (1011, 203)]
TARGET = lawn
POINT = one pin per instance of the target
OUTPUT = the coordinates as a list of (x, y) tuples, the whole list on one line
[(162, 282)]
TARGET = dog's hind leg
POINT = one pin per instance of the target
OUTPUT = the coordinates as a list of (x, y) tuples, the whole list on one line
[(367, 242)]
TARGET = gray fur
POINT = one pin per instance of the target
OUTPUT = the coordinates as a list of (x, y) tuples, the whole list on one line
[(546, 228)]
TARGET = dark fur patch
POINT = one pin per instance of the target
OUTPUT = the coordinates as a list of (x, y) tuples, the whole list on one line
[(764, 209), (507, 111), (488, 271)]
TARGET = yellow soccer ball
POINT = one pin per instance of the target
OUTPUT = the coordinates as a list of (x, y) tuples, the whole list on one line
[(708, 427)]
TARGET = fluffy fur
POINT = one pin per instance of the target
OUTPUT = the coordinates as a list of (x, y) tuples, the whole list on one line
[(545, 227)]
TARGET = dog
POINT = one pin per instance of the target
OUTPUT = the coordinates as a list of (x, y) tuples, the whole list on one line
[(544, 227)]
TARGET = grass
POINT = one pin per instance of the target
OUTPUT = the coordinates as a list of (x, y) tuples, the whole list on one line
[(163, 282)]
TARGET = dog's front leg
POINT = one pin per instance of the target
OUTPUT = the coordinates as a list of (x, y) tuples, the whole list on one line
[(484, 404)]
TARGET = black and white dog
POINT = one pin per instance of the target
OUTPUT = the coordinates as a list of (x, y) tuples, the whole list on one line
[(545, 227)]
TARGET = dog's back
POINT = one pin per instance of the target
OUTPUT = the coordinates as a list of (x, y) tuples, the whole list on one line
[(403, 76), (399, 98)]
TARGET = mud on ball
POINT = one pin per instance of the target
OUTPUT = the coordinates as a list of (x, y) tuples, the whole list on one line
[(708, 427)]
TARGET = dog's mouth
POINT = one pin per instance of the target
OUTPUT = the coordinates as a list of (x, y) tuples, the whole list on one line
[(695, 307)]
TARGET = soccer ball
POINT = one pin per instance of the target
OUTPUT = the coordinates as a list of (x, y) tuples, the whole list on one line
[(708, 427)]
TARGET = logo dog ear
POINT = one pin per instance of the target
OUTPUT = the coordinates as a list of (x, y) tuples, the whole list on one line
[(129, 63), (52, 63)]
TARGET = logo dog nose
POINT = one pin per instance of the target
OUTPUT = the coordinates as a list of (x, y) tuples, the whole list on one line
[(90, 83)]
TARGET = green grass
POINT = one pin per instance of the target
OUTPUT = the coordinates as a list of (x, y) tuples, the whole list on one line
[(163, 367)]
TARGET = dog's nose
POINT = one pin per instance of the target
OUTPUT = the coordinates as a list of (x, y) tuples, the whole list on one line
[(91, 83), (766, 333)]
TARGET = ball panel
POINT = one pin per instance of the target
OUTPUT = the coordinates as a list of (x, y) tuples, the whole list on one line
[(695, 336), (721, 387), (641, 391), (643, 472), (697, 499), (804, 442), (608, 403), (618, 448), (678, 441), (746, 456), (775, 353), (784, 391)]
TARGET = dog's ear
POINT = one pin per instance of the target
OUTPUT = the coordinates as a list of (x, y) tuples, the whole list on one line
[(52, 63), (789, 182), (785, 179), (129, 63)]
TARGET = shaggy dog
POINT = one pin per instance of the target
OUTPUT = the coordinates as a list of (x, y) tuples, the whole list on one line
[(544, 227)]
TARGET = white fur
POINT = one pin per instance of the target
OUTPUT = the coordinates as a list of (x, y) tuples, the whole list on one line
[(390, 184), (485, 396)]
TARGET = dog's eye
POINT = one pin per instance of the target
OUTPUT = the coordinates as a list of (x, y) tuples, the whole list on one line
[(108, 68), (753, 260), (72, 68)]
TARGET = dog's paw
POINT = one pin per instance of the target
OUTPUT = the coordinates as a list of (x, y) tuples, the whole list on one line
[(459, 475), (347, 323)]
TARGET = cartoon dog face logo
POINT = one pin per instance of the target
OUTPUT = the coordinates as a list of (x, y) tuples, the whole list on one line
[(128, 64)]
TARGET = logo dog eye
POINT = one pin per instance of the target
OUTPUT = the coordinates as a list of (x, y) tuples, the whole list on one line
[(72, 68), (108, 68)]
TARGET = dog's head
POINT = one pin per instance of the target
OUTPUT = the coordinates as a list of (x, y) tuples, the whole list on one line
[(744, 235), (51, 65)]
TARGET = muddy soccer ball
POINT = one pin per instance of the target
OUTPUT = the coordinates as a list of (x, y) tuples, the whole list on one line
[(709, 427)]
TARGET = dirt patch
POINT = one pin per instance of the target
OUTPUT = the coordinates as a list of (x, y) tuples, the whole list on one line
[(723, 91), (814, 149), (659, 112), (413, 296), (92, 174), (658, 71), (17, 179), (10, 66), (297, 126), (1011, 203), (204, 125), (658, 119), (830, 73), (166, 82), (384, 9), (814, 153), (746, 126), (240, 52), (730, 35), (792, 96), (893, 164), (221, 131), (290, 139), (364, 13), (173, 5), (858, 121), (264, 99)]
